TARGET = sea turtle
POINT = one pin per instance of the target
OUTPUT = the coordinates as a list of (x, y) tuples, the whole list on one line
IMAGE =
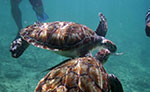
[(66, 38), (83, 74), (147, 20)]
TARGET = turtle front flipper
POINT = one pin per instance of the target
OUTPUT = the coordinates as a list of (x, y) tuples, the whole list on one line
[(102, 27), (18, 46), (115, 84), (147, 20)]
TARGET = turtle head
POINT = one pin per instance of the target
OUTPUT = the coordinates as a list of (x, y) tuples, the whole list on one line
[(102, 55), (105, 43), (109, 45)]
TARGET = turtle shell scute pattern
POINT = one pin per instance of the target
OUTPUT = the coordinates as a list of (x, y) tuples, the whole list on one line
[(57, 35), (77, 75)]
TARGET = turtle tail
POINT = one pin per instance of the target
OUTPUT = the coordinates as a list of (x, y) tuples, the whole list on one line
[(102, 27), (115, 84)]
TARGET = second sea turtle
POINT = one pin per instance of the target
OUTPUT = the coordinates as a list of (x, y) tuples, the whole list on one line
[(84, 74)]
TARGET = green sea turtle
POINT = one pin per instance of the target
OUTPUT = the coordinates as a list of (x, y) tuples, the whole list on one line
[(84, 74), (66, 38), (147, 20)]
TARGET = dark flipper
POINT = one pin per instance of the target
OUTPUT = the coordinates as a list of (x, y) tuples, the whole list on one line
[(102, 27), (51, 68), (147, 20), (115, 84), (18, 46)]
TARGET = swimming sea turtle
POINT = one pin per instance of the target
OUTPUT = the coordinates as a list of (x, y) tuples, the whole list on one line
[(147, 20), (84, 74), (67, 38)]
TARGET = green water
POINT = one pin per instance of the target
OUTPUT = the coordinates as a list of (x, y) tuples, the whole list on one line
[(126, 23)]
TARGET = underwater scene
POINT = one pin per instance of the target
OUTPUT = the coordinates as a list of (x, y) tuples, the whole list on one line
[(126, 28)]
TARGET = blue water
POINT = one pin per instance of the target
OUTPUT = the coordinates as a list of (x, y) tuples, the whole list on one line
[(126, 23)]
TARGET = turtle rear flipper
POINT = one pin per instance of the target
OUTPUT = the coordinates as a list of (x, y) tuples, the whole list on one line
[(18, 46), (102, 27), (115, 84)]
